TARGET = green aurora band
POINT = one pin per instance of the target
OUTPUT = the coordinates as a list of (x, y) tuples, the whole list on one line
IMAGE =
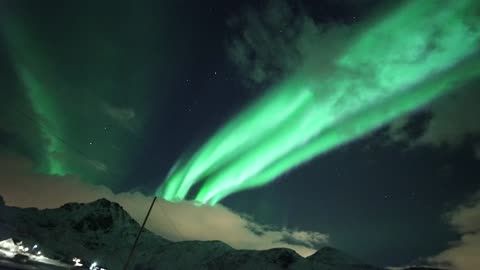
[(34, 70), (420, 51)]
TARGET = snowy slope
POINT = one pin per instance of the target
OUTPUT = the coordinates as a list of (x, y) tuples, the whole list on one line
[(100, 230), (331, 258), (104, 232)]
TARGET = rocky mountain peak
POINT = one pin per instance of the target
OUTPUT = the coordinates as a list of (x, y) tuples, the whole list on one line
[(332, 256), (282, 256), (103, 231), (100, 203), (99, 215), (104, 203)]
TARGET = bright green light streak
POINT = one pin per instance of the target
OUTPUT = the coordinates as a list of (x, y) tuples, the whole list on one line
[(390, 69), (32, 68), (232, 140), (43, 107), (352, 128)]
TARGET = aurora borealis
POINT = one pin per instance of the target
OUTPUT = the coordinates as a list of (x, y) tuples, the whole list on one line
[(379, 76), (352, 119), (62, 85)]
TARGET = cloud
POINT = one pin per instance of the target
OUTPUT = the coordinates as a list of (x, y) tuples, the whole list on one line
[(282, 39), (279, 39), (79, 161), (454, 117), (125, 117), (463, 254), (453, 120), (304, 238), (98, 165), (400, 267), (265, 47), (476, 151), (22, 187)]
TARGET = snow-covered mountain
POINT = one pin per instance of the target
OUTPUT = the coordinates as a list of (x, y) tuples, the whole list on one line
[(104, 232)]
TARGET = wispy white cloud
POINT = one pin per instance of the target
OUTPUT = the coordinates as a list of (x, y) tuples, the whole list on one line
[(454, 118), (21, 187), (124, 116), (476, 151), (409, 267), (464, 253)]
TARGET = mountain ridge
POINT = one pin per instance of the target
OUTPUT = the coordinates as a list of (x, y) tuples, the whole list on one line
[(103, 231)]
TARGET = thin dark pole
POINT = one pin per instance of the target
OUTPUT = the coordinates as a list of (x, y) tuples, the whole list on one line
[(139, 233)]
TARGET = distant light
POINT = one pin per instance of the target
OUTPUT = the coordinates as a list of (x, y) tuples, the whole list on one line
[(26, 249), (39, 253), (34, 247), (77, 262), (93, 266)]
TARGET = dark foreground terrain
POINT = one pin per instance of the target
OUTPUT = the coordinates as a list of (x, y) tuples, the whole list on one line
[(104, 232)]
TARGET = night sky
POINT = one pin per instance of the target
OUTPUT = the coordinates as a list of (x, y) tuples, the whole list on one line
[(115, 92)]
